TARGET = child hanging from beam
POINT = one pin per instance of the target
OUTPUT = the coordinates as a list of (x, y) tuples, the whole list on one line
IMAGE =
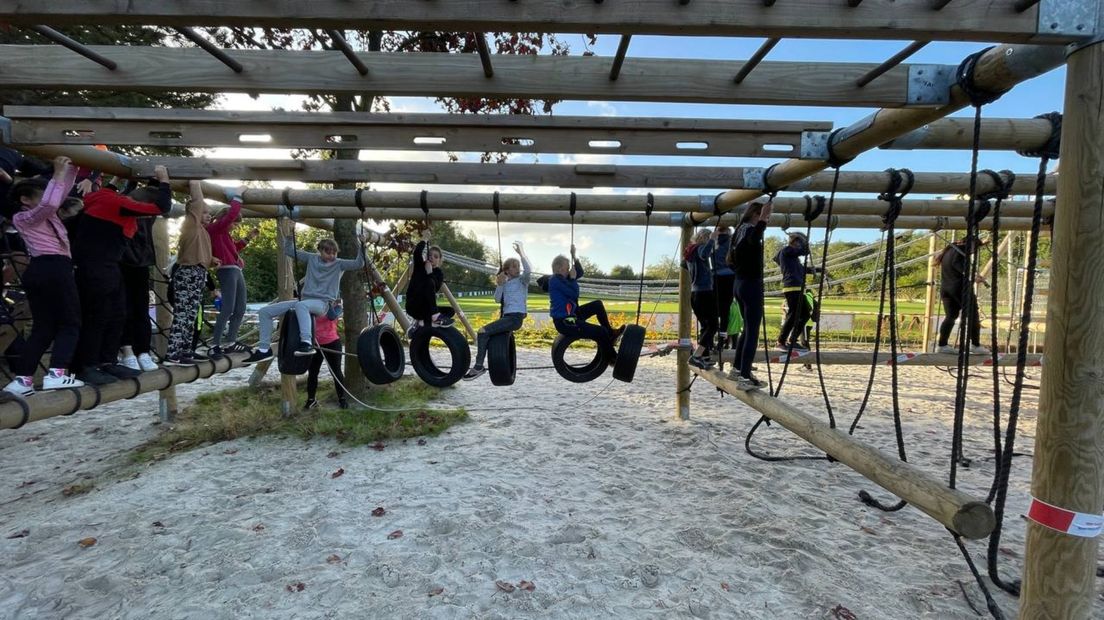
[(321, 289), (512, 291), (568, 316), (189, 279), (703, 299), (426, 278)]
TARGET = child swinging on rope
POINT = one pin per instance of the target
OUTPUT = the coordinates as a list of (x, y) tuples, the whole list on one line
[(426, 279), (320, 290), (512, 291), (568, 316)]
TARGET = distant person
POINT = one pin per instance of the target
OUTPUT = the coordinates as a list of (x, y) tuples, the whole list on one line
[(746, 259), (955, 294)]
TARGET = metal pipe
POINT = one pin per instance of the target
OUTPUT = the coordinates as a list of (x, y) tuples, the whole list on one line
[(210, 48), (76, 46), (894, 60), (343, 45), (755, 59)]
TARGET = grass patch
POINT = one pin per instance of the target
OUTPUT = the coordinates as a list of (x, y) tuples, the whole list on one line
[(255, 412)]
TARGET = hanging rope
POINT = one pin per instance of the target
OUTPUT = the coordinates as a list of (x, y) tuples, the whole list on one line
[(810, 214), (648, 207)]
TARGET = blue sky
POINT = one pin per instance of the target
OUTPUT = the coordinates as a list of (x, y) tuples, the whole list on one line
[(622, 245)]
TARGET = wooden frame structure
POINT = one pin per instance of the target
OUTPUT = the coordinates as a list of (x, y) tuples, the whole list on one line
[(1069, 463)]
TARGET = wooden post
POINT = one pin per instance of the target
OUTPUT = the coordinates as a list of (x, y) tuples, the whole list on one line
[(1068, 470), (166, 398), (285, 275), (682, 384), (459, 312), (929, 296), (389, 297)]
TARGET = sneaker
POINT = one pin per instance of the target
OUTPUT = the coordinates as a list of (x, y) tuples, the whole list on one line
[(945, 348), (800, 348), (198, 357), (781, 345), (146, 363), (304, 349), (311, 404), (697, 362), (55, 380), (977, 349), (94, 376), (215, 353), (21, 387), (757, 381), (342, 403), (237, 347), (445, 321), (130, 362), (120, 371), (474, 373), (258, 355), (413, 328), (746, 384), (180, 360)]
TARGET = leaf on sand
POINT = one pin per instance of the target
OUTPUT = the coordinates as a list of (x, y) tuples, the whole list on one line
[(339, 473), (158, 524), (378, 446), (379, 511), (333, 455), (528, 586), (505, 586), (334, 559), (259, 527), (394, 535), (230, 451), (725, 587), (436, 591), (422, 442), (868, 530), (86, 542), (19, 534), (297, 586)]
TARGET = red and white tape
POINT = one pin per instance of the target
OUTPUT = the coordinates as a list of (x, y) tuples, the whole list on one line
[(901, 358), (1067, 521)]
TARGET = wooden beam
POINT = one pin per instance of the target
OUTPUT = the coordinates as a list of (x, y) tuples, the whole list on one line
[(456, 75), (997, 134), (1068, 468), (981, 20), (685, 318), (956, 510)]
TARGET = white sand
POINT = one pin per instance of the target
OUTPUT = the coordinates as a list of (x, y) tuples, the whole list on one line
[(611, 509)]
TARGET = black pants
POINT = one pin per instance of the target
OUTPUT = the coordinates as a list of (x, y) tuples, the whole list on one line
[(952, 307), (55, 306), (601, 333), (102, 315), (722, 288), (137, 331), (704, 305), (425, 315), (749, 294), (797, 313), (330, 352)]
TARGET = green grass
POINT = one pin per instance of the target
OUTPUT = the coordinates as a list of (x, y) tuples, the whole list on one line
[(255, 412), (539, 303)]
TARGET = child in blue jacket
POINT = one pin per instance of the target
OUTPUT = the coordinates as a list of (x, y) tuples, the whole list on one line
[(568, 316)]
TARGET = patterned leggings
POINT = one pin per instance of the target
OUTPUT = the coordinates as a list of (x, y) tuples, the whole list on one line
[(188, 284)]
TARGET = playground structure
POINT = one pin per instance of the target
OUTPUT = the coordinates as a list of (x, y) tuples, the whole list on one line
[(1069, 459)]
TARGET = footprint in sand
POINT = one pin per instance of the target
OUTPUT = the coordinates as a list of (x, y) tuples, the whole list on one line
[(391, 577), (649, 575)]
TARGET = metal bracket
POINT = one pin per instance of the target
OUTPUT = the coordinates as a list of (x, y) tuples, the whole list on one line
[(1068, 17), (678, 218), (930, 85), (706, 202), (5, 130), (754, 178), (814, 145)]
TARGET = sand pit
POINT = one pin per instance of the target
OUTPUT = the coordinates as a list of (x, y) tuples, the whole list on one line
[(611, 508)]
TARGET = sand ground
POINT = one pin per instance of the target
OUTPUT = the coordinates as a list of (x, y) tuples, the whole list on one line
[(595, 494)]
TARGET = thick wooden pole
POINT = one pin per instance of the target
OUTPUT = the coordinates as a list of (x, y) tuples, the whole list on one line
[(929, 294), (166, 402), (285, 276), (682, 384), (388, 297), (1068, 470), (459, 312), (956, 510)]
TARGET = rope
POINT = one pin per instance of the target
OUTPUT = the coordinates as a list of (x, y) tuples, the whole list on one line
[(648, 207)]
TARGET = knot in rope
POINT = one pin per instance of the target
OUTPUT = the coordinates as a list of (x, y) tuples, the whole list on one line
[(900, 184), (495, 204), (770, 190), (964, 79), (423, 200), (812, 213), (1050, 148), (358, 199)]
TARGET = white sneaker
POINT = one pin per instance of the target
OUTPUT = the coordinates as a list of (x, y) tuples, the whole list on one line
[(946, 349), (146, 363), (60, 382), (977, 349), (21, 387), (130, 362)]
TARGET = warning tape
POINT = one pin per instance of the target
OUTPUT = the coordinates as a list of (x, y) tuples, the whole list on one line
[(1066, 521)]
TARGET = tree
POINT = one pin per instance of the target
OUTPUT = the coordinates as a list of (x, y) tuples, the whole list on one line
[(666, 267), (591, 268), (622, 272)]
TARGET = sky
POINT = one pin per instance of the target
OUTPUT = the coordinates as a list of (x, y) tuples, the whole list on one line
[(610, 245)]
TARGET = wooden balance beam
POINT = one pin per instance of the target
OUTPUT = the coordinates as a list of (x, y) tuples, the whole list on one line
[(956, 510)]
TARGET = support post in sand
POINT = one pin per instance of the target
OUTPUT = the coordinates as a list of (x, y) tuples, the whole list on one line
[(929, 294), (1068, 469), (285, 277), (166, 398), (956, 510), (682, 384), (388, 297), (459, 312)]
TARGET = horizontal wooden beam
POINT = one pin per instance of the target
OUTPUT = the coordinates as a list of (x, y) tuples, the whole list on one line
[(978, 20), (455, 75), (507, 133), (997, 134), (955, 509)]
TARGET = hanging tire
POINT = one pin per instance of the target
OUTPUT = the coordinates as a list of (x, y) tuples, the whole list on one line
[(628, 354), (381, 354), (578, 374), (502, 359), (426, 369), (286, 360)]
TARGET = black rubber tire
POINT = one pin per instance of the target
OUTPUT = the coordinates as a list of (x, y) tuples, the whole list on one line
[(286, 360), (577, 374), (502, 359), (381, 354), (423, 364), (628, 354)]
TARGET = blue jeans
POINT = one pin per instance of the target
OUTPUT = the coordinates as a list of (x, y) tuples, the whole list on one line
[(749, 294), (305, 311)]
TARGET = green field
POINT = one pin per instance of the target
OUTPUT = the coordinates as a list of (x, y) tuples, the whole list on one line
[(539, 303)]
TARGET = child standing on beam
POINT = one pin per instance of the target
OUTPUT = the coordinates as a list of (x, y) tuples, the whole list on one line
[(790, 259), (512, 291), (746, 259), (231, 277), (703, 300), (193, 259)]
